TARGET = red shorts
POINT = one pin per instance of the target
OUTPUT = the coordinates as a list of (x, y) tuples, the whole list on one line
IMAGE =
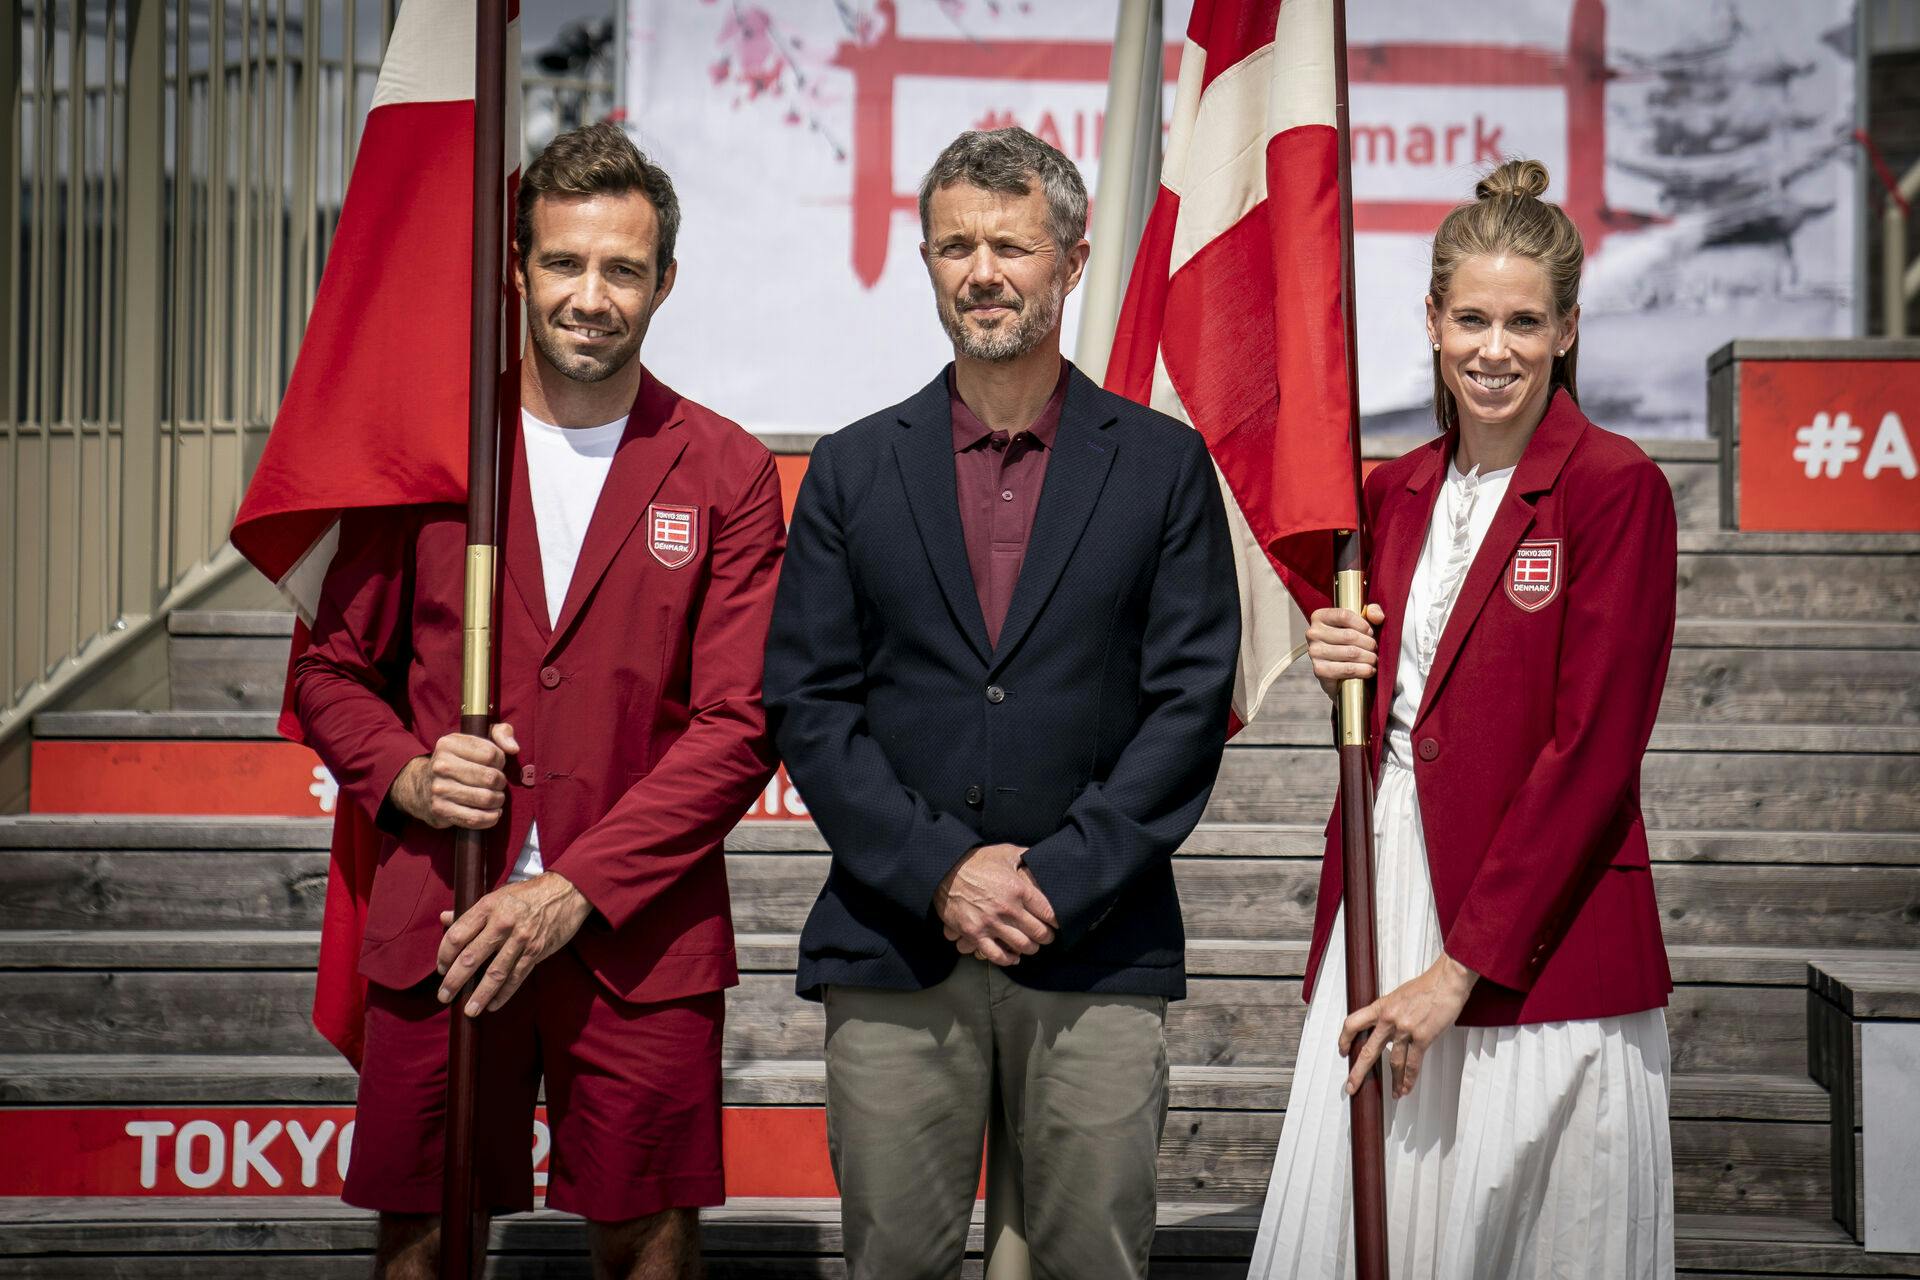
[(633, 1099)]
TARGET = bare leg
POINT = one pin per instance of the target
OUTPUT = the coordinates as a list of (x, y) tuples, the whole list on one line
[(662, 1246), (409, 1247)]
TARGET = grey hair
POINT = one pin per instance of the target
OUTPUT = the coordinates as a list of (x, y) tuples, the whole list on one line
[(1008, 160)]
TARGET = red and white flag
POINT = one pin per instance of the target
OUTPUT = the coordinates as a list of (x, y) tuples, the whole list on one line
[(376, 413), (1233, 320)]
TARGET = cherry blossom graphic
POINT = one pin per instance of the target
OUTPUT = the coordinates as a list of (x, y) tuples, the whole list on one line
[(767, 66)]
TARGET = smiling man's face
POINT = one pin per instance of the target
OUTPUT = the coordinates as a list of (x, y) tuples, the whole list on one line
[(592, 281)]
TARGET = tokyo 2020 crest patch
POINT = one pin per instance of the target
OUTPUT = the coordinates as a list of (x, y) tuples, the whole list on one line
[(673, 534), (1533, 577)]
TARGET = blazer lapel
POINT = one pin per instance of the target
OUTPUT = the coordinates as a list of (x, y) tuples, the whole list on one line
[(1539, 467), (520, 539), (924, 452), (1077, 471), (650, 446), (1405, 527)]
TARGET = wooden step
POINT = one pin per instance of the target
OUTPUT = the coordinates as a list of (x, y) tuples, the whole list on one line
[(1765, 633), (1262, 896), (252, 949), (1764, 674), (224, 660), (300, 1239), (1720, 1166), (1679, 789), (1298, 715), (151, 832), (1284, 730), (1711, 687), (1712, 777), (1225, 1021), (233, 623), (78, 1079), (1840, 577)]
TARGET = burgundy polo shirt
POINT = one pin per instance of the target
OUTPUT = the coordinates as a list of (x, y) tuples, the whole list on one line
[(999, 475)]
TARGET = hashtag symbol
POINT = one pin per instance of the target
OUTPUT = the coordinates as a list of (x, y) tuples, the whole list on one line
[(1827, 443)]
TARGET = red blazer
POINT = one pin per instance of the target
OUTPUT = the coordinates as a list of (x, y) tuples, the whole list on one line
[(642, 738), (1528, 740)]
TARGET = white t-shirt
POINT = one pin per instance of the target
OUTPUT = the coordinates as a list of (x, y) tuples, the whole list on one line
[(566, 469)]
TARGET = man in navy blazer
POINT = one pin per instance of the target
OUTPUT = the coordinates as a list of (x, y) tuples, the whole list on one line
[(999, 669)]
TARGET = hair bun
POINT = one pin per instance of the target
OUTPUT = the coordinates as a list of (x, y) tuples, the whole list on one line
[(1513, 180)]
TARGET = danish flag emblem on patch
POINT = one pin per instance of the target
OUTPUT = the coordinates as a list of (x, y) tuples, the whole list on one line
[(673, 534), (1533, 578)]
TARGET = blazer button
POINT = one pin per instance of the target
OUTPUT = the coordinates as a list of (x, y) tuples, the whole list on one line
[(527, 775), (550, 677), (975, 796), (996, 694), (1429, 748)]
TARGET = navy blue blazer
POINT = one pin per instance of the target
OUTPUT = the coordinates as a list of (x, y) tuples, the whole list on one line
[(1091, 734)]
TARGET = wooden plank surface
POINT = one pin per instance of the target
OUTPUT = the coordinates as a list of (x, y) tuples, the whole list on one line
[(1706, 1244), (205, 1079), (251, 949), (226, 673), (1813, 907), (1238, 1022), (1885, 986), (1242, 839), (232, 622), (1716, 791), (1724, 685)]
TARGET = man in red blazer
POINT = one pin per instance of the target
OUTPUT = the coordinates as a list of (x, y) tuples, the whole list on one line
[(641, 543)]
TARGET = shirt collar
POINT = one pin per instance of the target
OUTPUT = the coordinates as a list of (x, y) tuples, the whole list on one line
[(969, 431)]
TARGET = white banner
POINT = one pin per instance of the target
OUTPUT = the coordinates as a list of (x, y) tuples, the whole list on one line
[(1703, 149)]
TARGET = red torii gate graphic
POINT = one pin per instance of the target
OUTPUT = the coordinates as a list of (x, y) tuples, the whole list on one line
[(1580, 71)]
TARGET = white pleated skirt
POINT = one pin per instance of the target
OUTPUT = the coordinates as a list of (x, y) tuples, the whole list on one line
[(1522, 1152)]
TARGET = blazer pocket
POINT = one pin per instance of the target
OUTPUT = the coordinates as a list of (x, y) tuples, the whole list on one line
[(1633, 855), (397, 890)]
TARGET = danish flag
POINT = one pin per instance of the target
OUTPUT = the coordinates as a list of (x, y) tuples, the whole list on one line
[(375, 414), (1232, 319)]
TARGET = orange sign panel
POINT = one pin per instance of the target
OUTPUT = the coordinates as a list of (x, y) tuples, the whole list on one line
[(1828, 445), (229, 779), (304, 1151)]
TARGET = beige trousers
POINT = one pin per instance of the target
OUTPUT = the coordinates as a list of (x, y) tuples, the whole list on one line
[(910, 1077)]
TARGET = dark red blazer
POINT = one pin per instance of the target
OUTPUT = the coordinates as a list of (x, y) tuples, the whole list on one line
[(1528, 740), (642, 738)]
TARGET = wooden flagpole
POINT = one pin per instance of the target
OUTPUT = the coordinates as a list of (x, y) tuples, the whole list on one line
[(459, 1249), (1356, 781)]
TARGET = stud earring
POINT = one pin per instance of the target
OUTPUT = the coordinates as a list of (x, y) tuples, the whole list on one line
[(1436, 346), (1560, 355)]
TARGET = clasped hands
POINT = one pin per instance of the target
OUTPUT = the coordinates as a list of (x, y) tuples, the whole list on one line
[(991, 906), (509, 931)]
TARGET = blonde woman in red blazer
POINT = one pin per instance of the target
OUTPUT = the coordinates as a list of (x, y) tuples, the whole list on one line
[(1523, 563)]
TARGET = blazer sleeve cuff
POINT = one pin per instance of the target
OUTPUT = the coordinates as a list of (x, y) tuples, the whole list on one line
[(1484, 954), (948, 841), (385, 759)]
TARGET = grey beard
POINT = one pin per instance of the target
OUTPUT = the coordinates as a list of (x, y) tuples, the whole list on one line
[(1013, 338)]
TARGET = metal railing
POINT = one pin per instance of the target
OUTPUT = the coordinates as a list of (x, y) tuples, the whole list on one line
[(173, 173)]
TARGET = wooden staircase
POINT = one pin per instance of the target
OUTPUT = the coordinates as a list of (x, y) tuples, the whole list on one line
[(163, 964)]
